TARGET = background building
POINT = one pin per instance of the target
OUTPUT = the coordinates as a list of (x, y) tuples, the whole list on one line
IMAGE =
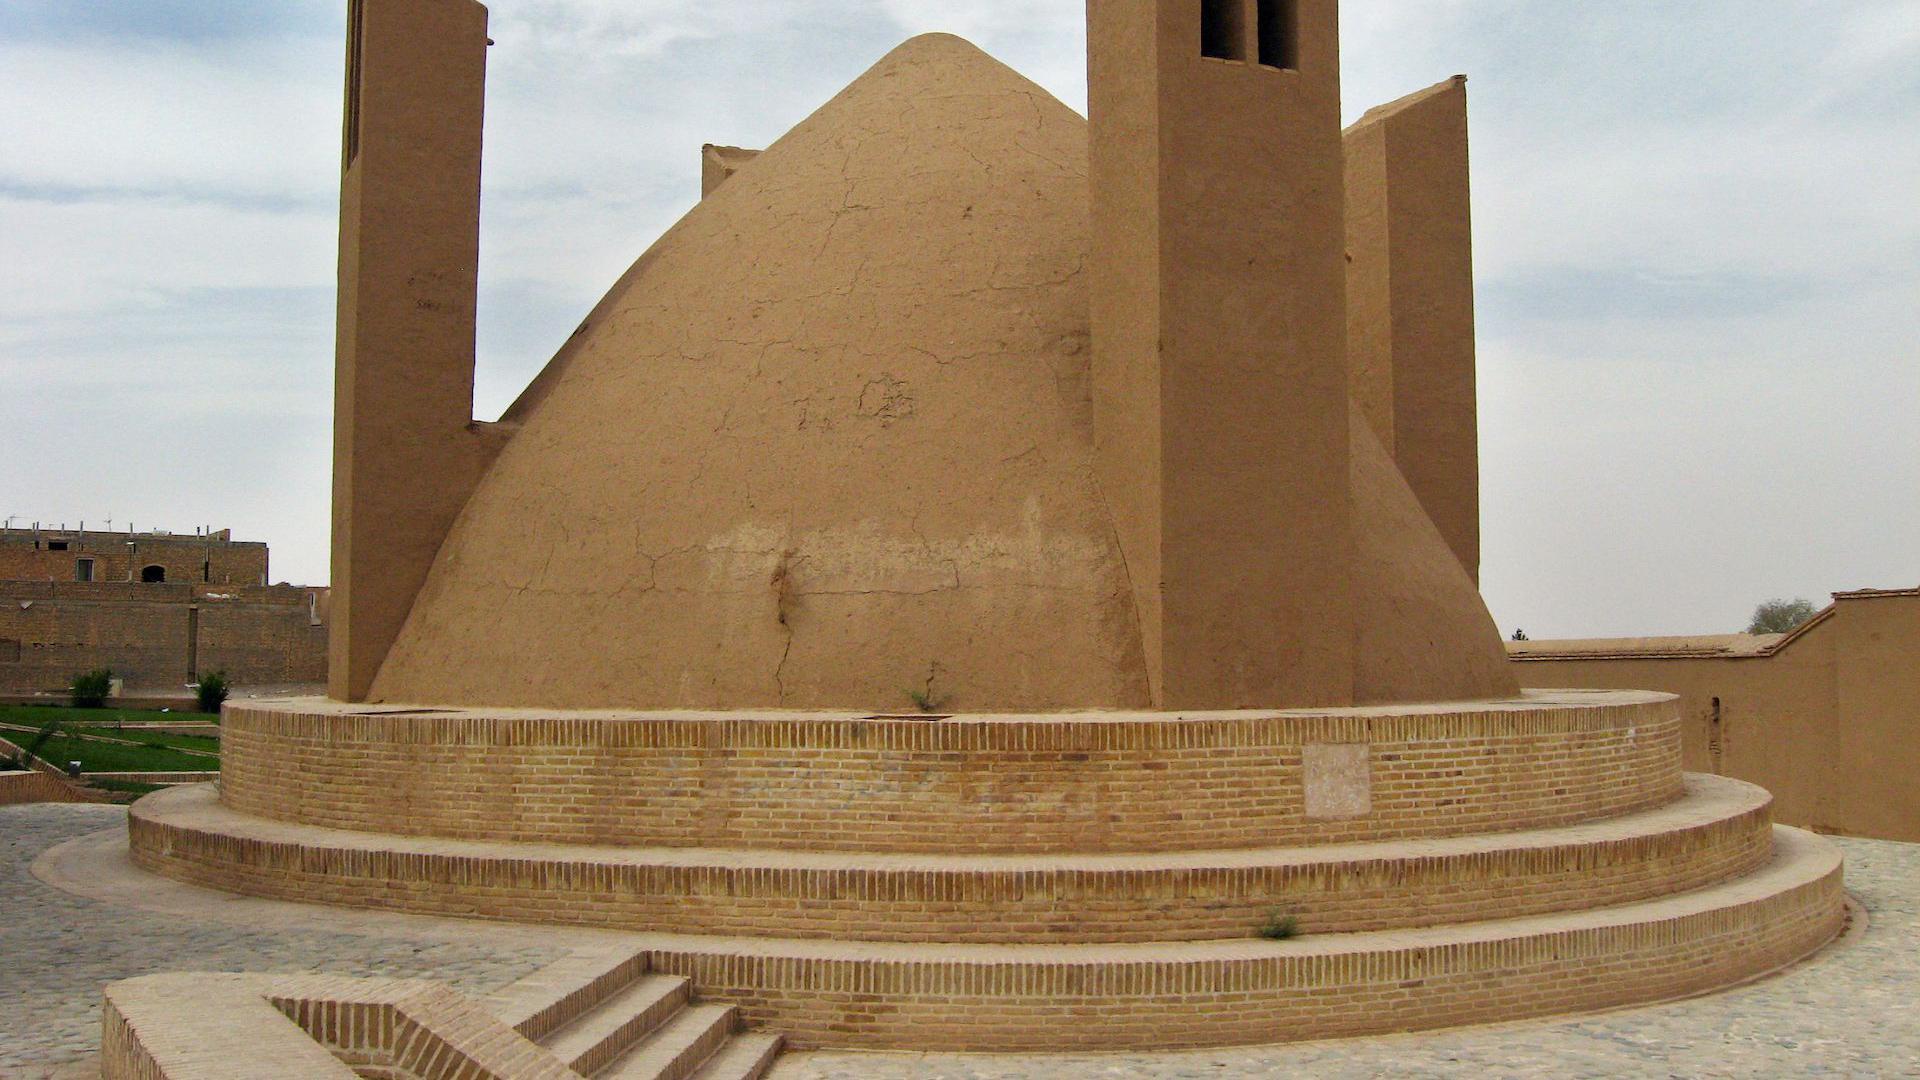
[(208, 557), (158, 609)]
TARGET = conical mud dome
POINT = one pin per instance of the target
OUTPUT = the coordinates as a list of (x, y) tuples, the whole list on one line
[(829, 444), (826, 444)]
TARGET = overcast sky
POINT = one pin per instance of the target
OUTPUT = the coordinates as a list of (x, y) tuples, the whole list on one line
[(1698, 230)]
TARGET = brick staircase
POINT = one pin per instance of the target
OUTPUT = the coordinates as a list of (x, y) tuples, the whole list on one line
[(606, 1015)]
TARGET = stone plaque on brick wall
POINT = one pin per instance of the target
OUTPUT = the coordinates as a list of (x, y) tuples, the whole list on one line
[(1339, 781)]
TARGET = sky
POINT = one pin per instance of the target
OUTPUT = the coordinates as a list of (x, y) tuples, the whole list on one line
[(1697, 250)]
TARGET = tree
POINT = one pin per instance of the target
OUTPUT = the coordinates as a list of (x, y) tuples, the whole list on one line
[(1780, 616)]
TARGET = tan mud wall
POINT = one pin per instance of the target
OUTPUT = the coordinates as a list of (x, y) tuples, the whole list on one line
[(144, 633), (1830, 723), (1006, 785), (1410, 315), (406, 452)]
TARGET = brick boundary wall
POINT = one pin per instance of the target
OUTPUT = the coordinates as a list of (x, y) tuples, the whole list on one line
[(1723, 831), (1081, 783)]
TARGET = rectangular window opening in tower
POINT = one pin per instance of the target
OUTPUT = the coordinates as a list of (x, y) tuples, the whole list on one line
[(1222, 35), (1280, 34), (356, 16)]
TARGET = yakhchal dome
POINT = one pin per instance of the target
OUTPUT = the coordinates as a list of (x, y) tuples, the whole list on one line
[(1135, 455), (832, 438)]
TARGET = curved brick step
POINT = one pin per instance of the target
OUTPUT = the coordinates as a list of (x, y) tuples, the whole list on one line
[(1719, 831), (1075, 783), (1056, 998)]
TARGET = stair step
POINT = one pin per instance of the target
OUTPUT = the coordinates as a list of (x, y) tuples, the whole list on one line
[(548, 999), (680, 1047), (746, 1056), (1718, 832), (610, 1028)]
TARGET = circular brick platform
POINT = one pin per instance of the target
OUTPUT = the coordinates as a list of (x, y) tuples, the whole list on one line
[(1063, 784), (1722, 830), (1084, 881)]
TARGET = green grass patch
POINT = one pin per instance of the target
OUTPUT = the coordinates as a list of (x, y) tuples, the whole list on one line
[(95, 756), (37, 716), (108, 723)]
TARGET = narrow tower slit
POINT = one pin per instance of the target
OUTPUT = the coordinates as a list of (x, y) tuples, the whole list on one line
[(356, 16), (1222, 34), (1280, 34)]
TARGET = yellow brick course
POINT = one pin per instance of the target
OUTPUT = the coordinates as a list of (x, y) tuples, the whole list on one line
[(1077, 783), (1721, 831)]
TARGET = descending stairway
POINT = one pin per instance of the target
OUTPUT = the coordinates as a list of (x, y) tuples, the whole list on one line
[(607, 1016)]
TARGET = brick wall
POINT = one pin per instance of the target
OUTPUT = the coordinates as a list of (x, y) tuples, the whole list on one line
[(154, 636), (18, 788), (1174, 995), (964, 899), (987, 784)]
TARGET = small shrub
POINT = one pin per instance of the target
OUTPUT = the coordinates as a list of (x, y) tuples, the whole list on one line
[(926, 700), (212, 691), (90, 689), (1781, 616), (1280, 927)]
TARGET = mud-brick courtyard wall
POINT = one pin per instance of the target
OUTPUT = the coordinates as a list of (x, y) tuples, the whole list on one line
[(158, 636), (1827, 718)]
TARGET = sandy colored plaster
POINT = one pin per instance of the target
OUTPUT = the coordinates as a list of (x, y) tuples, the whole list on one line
[(840, 494), (719, 163), (809, 485), (1410, 303), (407, 452)]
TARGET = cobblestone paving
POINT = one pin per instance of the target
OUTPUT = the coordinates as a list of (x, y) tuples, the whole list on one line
[(1853, 1012), (57, 951)]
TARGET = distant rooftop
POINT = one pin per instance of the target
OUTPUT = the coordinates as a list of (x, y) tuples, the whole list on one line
[(40, 530), (1692, 647)]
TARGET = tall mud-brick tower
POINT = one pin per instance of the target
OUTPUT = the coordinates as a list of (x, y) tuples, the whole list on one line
[(955, 592), (1219, 342)]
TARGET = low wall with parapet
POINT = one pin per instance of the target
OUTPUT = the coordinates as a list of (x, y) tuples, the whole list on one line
[(1001, 784), (1827, 718)]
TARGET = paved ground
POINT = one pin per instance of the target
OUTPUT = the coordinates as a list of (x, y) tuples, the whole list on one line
[(1851, 1012), (57, 950)]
